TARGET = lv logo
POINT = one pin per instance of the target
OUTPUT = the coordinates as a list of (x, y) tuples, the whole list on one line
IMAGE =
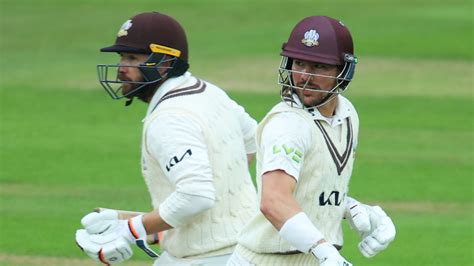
[(294, 154)]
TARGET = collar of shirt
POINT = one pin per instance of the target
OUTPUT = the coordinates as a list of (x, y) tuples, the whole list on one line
[(342, 111), (167, 86)]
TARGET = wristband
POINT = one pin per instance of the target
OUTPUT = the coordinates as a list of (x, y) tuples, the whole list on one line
[(300, 232)]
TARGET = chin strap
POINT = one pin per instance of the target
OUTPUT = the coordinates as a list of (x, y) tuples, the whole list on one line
[(129, 101)]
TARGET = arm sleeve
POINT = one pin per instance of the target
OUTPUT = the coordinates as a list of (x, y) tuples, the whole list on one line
[(248, 126), (177, 143), (285, 140), (179, 208)]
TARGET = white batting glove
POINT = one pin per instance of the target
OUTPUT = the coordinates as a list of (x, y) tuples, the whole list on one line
[(328, 255), (106, 226), (100, 222), (107, 249), (373, 225), (357, 215)]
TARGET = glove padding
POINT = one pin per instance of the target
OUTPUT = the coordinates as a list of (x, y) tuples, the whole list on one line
[(373, 225), (100, 222), (328, 255), (105, 248), (100, 225)]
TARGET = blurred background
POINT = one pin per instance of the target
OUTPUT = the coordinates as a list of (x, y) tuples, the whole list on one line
[(67, 147)]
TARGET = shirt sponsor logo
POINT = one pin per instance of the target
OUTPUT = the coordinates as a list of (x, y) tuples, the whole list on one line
[(332, 199), (294, 154), (175, 160)]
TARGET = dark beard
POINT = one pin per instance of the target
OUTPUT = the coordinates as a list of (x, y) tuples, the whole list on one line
[(144, 93)]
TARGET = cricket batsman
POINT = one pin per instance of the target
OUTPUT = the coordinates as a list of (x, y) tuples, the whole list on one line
[(305, 154), (196, 146)]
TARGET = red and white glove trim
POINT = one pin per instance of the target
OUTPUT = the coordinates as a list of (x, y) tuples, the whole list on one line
[(138, 234)]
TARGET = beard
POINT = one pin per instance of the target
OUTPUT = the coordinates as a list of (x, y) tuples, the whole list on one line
[(144, 92), (308, 97)]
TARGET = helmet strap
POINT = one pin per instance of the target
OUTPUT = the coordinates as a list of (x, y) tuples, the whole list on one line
[(179, 68), (129, 101)]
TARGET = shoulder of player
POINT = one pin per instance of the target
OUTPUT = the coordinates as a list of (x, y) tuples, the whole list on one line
[(171, 122), (346, 103), (286, 123)]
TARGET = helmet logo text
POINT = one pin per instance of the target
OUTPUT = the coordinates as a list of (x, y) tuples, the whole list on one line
[(311, 38), (124, 29)]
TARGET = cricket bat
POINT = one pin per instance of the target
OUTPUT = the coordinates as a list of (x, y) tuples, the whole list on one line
[(125, 215)]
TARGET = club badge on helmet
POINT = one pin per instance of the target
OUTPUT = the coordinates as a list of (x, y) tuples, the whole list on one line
[(154, 34), (318, 39)]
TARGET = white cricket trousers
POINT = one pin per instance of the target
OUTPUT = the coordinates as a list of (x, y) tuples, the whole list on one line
[(168, 260)]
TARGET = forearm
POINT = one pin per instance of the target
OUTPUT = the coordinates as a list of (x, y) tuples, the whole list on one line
[(277, 203), (280, 207), (175, 211), (153, 223), (279, 210)]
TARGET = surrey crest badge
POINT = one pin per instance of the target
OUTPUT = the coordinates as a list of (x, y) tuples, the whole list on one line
[(124, 29), (311, 38)]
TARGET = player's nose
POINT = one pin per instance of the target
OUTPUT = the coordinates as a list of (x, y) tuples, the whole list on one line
[(305, 76)]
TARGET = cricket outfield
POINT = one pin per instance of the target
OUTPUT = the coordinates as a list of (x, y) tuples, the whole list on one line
[(66, 147)]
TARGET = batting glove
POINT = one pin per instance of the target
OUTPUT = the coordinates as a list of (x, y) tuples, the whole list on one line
[(107, 249), (105, 228), (100, 222), (328, 255), (373, 225)]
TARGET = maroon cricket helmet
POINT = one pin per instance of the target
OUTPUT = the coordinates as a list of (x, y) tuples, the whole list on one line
[(319, 39), (139, 32), (157, 35)]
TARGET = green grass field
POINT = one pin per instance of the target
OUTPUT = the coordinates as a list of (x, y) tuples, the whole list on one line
[(66, 147)]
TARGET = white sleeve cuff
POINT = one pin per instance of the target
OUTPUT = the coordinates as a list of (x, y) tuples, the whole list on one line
[(250, 146), (179, 208), (300, 232)]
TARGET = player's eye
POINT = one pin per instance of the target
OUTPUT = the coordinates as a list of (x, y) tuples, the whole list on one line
[(298, 63)]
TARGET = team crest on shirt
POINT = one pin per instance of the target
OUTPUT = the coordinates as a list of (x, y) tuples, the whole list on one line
[(124, 29), (311, 38)]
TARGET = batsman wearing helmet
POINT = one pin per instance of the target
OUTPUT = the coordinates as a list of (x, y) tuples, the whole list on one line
[(305, 153), (196, 146)]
